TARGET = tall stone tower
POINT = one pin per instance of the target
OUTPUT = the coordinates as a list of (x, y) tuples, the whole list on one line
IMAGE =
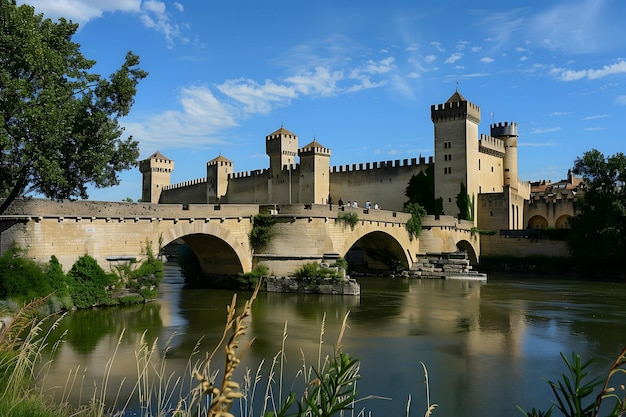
[(507, 132), (217, 172), (456, 150), (156, 170), (314, 173), (282, 148)]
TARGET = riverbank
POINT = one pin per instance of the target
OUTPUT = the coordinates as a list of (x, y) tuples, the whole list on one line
[(551, 267)]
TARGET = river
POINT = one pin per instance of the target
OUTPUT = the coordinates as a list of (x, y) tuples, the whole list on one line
[(486, 345)]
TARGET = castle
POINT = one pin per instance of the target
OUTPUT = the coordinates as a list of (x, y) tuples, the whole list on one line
[(486, 166)]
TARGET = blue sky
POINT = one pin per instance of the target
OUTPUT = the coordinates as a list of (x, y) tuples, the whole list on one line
[(359, 77)]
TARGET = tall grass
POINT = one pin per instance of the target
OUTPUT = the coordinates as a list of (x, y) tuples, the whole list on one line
[(328, 387)]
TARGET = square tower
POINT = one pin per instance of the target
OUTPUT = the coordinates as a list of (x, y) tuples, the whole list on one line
[(156, 170), (314, 173), (456, 151)]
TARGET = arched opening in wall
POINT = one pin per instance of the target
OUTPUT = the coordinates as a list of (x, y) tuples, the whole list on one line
[(562, 222), (376, 253), (204, 259), (465, 246), (537, 222)]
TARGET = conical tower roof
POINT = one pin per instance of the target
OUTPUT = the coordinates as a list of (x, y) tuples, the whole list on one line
[(456, 97), (282, 131)]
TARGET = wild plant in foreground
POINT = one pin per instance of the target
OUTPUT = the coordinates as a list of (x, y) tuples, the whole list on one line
[(574, 393), (222, 396), (21, 344)]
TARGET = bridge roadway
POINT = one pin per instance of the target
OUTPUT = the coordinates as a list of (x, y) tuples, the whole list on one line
[(113, 232)]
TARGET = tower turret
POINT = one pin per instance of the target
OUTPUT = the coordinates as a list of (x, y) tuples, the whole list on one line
[(217, 173), (314, 173), (456, 150), (156, 170), (282, 148), (507, 132)]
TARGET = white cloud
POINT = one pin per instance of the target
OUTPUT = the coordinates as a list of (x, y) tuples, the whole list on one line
[(537, 144), (621, 100), (82, 11), (590, 74), (476, 48), (152, 13), (577, 26), (559, 113), (199, 121), (430, 58), (453, 58), (523, 58), (179, 6), (597, 116), (487, 59), (257, 98), (544, 130), (438, 46), (593, 129)]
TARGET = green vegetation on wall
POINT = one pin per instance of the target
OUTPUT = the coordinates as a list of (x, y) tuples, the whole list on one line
[(414, 224), (350, 219), (261, 232)]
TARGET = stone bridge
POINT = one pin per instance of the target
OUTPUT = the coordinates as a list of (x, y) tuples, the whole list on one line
[(218, 234)]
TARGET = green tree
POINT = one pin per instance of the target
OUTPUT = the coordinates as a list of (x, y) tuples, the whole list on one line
[(421, 190), (598, 229), (89, 283), (59, 127), (465, 204)]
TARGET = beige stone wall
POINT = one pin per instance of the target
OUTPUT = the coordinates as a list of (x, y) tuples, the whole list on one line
[(548, 213), (489, 171), (245, 188), (384, 185), (304, 235), (190, 192), (522, 247), (69, 230)]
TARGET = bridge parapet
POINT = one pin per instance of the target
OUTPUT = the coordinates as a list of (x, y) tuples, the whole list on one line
[(40, 208), (334, 211)]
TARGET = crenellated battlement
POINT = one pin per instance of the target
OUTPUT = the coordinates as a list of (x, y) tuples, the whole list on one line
[(367, 166), (503, 129), (453, 110), (185, 184), (490, 145), (313, 150), (248, 174)]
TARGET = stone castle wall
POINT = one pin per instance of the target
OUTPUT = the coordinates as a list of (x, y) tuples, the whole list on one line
[(384, 183)]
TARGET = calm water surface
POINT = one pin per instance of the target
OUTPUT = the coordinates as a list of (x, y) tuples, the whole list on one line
[(486, 345)]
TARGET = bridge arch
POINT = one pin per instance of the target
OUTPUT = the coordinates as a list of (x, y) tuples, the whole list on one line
[(562, 222), (467, 247), (379, 249), (218, 250), (537, 222)]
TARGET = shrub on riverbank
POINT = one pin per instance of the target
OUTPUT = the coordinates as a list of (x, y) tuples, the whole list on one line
[(84, 286)]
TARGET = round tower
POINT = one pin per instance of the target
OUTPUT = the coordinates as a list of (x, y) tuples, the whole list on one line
[(218, 171), (156, 170), (507, 132)]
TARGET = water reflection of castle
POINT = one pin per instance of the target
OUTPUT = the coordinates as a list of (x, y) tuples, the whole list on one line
[(486, 165)]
